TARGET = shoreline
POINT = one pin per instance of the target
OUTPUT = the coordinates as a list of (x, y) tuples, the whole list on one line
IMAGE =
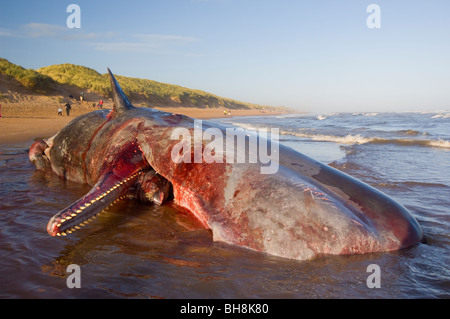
[(27, 129)]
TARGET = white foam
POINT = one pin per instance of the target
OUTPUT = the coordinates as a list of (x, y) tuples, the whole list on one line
[(444, 116), (348, 139), (440, 143)]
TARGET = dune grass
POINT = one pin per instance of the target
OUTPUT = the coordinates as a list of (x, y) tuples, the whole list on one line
[(27, 77), (139, 89), (142, 92)]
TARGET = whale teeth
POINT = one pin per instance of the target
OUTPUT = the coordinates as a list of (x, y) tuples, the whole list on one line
[(74, 213)]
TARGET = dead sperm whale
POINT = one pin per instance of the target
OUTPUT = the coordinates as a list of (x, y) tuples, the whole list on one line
[(301, 210)]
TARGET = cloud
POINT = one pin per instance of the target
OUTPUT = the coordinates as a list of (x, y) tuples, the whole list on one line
[(109, 41), (6, 33), (122, 46), (209, 1), (164, 40), (39, 30), (43, 30), (151, 43)]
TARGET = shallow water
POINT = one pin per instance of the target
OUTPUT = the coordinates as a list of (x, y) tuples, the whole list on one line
[(140, 251)]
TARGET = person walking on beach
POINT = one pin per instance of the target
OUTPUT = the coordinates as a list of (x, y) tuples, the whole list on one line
[(60, 111), (68, 107), (0, 110)]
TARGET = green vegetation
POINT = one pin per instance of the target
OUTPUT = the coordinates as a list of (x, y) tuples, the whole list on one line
[(149, 90), (146, 92), (27, 77), (143, 90), (80, 76)]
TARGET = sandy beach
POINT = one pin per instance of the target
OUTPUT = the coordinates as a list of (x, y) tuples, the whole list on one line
[(23, 129), (26, 115)]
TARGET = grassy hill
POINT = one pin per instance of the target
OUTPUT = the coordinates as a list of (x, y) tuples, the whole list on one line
[(80, 76), (26, 92), (138, 90), (27, 77)]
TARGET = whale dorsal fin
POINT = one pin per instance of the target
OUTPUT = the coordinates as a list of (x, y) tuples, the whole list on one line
[(121, 102)]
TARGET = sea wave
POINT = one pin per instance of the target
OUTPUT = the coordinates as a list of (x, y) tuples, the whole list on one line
[(411, 142), (358, 139), (411, 132), (440, 143), (293, 115), (409, 185), (365, 114), (444, 116), (411, 137), (348, 139), (251, 127)]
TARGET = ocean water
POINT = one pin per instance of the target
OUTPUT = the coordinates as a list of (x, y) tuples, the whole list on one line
[(139, 251)]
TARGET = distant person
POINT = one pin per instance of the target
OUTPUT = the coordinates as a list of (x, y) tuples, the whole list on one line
[(0, 110), (100, 104), (60, 111), (94, 105), (82, 97), (68, 108), (225, 112)]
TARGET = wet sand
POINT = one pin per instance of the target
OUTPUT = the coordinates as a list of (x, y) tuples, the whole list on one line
[(15, 130)]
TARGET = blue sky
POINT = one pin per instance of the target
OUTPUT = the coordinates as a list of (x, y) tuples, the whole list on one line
[(316, 55)]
